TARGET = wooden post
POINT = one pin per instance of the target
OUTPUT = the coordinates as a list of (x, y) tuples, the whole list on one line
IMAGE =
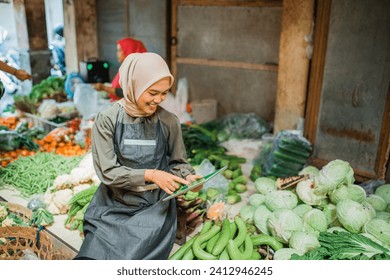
[(297, 19), (80, 30), (37, 38)]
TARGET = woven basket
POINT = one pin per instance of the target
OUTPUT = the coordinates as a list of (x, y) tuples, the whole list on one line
[(19, 239)]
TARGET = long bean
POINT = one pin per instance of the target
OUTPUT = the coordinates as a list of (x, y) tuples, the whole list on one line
[(35, 174)]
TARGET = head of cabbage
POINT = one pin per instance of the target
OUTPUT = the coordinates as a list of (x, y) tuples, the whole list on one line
[(332, 175), (281, 199), (265, 185), (305, 192), (352, 215), (283, 223)]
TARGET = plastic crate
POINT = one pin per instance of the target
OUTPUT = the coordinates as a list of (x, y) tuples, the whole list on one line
[(41, 122)]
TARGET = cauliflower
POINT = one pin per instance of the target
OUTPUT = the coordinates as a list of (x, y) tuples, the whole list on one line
[(52, 208), (80, 188), (3, 212), (87, 162), (81, 175), (8, 222), (61, 198), (63, 182)]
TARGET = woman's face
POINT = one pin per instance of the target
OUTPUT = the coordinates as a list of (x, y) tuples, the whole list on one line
[(153, 96), (120, 54)]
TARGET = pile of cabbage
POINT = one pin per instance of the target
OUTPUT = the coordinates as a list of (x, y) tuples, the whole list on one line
[(327, 201)]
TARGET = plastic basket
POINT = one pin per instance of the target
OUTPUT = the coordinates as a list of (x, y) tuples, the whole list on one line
[(18, 239), (41, 122)]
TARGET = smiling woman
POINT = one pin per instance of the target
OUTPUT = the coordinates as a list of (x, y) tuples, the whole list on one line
[(139, 156)]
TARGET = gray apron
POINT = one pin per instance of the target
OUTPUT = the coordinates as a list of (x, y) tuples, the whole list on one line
[(137, 225)]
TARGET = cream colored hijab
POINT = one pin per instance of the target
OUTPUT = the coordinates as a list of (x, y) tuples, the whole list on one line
[(137, 73)]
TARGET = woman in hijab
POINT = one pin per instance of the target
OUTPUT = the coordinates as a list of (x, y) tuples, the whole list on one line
[(125, 47), (139, 156)]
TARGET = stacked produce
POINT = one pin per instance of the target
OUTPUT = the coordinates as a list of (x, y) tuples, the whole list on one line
[(78, 205), (68, 184), (19, 141), (35, 174), (288, 155), (325, 201), (50, 88), (61, 141), (192, 205), (224, 240), (9, 218), (324, 215)]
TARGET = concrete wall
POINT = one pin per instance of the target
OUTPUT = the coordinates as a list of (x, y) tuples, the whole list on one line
[(236, 34), (143, 20)]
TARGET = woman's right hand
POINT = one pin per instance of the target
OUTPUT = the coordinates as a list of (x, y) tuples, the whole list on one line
[(98, 86), (164, 180)]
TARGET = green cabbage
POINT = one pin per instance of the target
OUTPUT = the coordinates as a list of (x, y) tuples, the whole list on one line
[(333, 175), (330, 213), (310, 170), (265, 185), (260, 218), (380, 229), (247, 213), (384, 192), (314, 221), (356, 193), (301, 209), (352, 215), (283, 223), (256, 199), (303, 241), (281, 200), (285, 253), (305, 192), (333, 229), (377, 202), (383, 215)]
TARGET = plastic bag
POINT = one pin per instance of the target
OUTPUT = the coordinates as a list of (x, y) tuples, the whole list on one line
[(371, 185), (36, 202), (219, 182), (177, 103), (242, 126), (9, 140), (29, 255), (48, 109), (86, 100), (289, 154)]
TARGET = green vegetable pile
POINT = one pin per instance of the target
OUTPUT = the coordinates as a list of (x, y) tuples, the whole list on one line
[(224, 241), (52, 87), (35, 174)]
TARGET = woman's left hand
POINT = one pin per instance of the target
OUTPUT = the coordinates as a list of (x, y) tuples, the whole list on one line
[(192, 178)]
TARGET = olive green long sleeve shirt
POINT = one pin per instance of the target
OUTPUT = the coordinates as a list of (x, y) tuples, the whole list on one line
[(120, 178)]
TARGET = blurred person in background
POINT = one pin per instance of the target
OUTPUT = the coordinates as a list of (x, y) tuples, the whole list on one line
[(125, 47)]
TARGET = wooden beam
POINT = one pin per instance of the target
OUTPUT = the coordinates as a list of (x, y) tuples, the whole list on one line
[(317, 69), (228, 64), (80, 29), (247, 3), (383, 153), (297, 18), (36, 24), (173, 42)]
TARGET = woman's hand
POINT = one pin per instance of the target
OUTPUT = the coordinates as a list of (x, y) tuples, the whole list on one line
[(192, 178), (98, 86), (22, 75), (166, 181)]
